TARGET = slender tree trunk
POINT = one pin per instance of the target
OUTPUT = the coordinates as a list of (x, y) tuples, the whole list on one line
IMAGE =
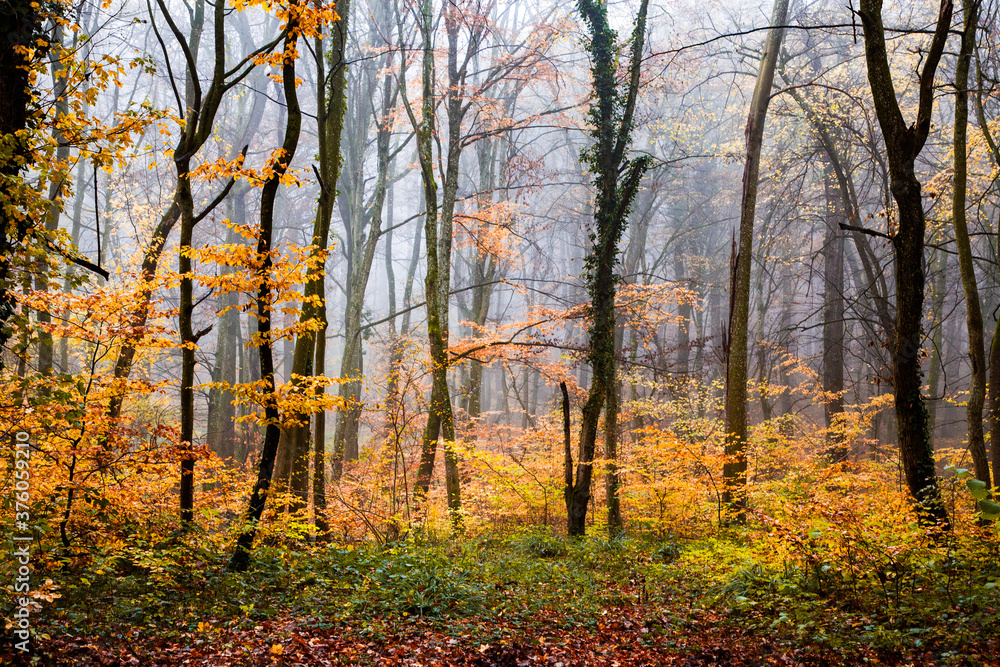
[(82, 186), (188, 343), (56, 187), (240, 560), (735, 469), (613, 482), (221, 432), (715, 333), (994, 365), (185, 201), (763, 356), (440, 419), (973, 312), (684, 309), (833, 323), (319, 437), (935, 363), (331, 101), (484, 270), (352, 365), (567, 451), (787, 341)]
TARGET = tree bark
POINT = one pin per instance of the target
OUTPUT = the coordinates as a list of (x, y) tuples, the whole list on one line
[(364, 244), (185, 201), (240, 560), (734, 470), (684, 313), (438, 233), (935, 363), (903, 144), (973, 311), (833, 323), (221, 432), (484, 271), (330, 95), (994, 362), (617, 180), (20, 20), (58, 178)]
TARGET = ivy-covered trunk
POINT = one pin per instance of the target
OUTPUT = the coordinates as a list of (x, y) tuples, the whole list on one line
[(617, 179)]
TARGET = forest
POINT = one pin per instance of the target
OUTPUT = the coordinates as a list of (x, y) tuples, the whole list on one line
[(487, 332)]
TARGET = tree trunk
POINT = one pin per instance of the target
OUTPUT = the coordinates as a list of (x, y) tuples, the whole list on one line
[(973, 312), (994, 365), (81, 186), (735, 468), (617, 180), (57, 181), (903, 144), (833, 323), (613, 482), (185, 201), (331, 100), (363, 228), (484, 271), (684, 309), (240, 560), (438, 237), (19, 19), (188, 342), (935, 362), (221, 434)]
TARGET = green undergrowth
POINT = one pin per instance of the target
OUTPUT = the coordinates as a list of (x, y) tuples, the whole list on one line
[(944, 597)]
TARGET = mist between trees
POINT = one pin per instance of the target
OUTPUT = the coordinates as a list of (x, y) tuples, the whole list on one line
[(299, 273)]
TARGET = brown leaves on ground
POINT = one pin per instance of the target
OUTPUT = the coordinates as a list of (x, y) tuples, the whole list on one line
[(625, 639)]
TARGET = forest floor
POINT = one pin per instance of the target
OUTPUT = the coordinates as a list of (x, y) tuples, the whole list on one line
[(531, 599)]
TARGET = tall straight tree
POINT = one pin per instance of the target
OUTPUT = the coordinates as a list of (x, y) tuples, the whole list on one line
[(994, 375), (438, 237), (184, 199), (833, 320), (55, 193), (221, 431), (734, 471), (240, 559), (309, 356), (617, 178), (362, 220), (973, 310), (903, 144), (469, 102)]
